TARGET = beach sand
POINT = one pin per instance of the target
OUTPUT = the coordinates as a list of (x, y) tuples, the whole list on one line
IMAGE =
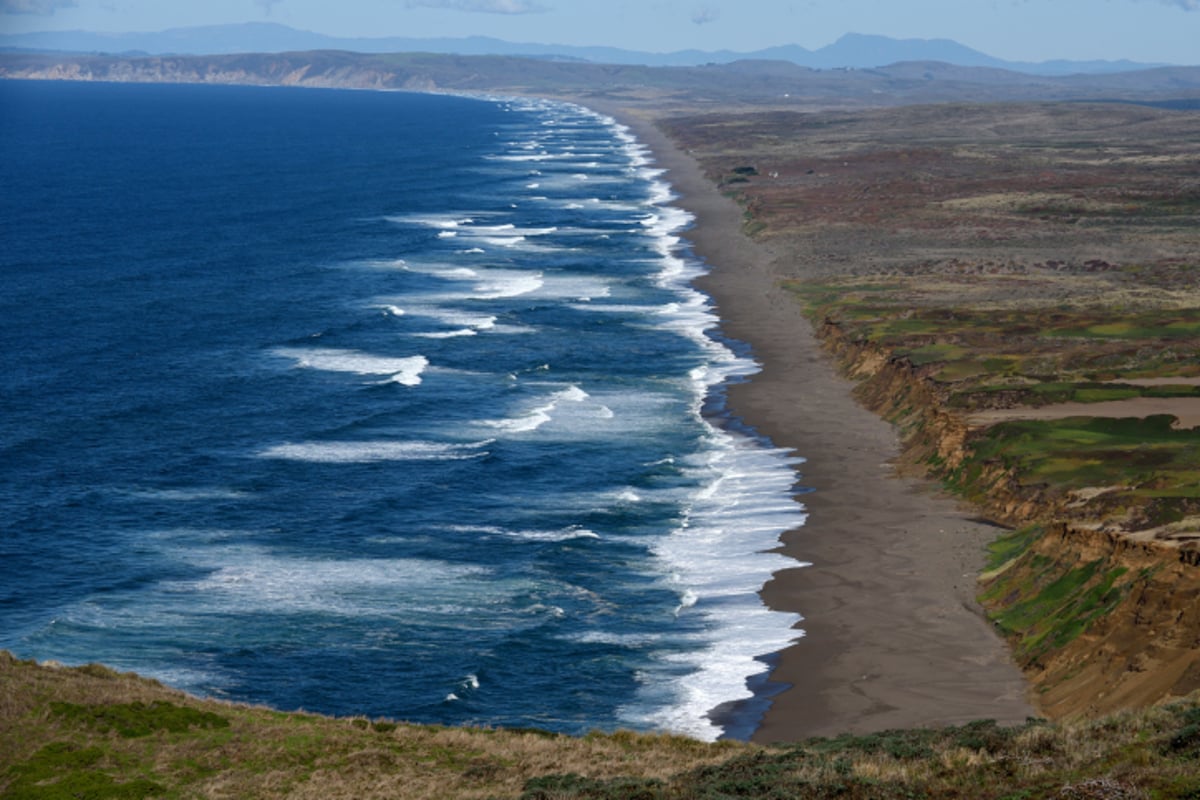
[(893, 635)]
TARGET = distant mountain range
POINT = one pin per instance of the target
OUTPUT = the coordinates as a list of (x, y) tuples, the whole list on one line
[(742, 84), (855, 51)]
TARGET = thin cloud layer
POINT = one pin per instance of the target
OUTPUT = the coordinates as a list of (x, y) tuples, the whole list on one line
[(43, 7), (702, 16), (482, 6)]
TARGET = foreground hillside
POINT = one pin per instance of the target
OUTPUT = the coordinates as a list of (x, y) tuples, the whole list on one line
[(1014, 287), (91, 732)]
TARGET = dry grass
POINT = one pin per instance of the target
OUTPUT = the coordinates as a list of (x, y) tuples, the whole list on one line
[(263, 753), (58, 738)]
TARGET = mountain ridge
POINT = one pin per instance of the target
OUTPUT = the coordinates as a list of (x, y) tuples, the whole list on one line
[(739, 84), (853, 50)]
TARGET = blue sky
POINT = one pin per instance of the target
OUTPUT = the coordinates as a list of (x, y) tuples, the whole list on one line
[(1028, 30)]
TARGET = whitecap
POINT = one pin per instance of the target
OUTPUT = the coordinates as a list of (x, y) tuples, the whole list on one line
[(535, 418), (499, 284), (405, 369), (348, 452), (448, 334), (185, 495)]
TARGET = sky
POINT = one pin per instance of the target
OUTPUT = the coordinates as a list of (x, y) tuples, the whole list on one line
[(1020, 30)]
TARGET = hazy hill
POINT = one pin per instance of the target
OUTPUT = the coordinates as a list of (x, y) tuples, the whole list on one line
[(852, 50), (739, 84)]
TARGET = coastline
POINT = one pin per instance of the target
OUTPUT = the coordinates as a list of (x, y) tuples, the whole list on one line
[(893, 635)]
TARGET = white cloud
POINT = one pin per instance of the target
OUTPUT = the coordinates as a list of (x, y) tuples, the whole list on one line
[(482, 6), (703, 16), (34, 6)]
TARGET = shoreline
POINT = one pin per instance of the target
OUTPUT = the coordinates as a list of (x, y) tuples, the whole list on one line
[(893, 636)]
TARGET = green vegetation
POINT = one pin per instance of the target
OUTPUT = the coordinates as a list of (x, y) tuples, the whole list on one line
[(997, 359), (997, 365), (1009, 546), (92, 733), (1046, 608), (1141, 469), (131, 720), (1050, 392), (1037, 354), (61, 770)]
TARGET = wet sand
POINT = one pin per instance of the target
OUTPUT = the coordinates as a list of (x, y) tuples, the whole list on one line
[(893, 636)]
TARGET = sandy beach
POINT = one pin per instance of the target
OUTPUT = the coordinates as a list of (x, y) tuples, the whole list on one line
[(893, 635)]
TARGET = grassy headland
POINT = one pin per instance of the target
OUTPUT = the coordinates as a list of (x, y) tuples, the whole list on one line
[(91, 732)]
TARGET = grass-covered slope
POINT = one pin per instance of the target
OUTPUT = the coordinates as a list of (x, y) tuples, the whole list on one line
[(89, 732)]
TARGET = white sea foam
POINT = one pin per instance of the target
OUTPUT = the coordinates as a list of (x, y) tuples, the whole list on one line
[(523, 157), (741, 501), (442, 222), (368, 452), (534, 418), (242, 577), (186, 495), (717, 560), (497, 284), (448, 334), (566, 534), (735, 499), (502, 241), (459, 322), (635, 640), (563, 535), (236, 581), (405, 370)]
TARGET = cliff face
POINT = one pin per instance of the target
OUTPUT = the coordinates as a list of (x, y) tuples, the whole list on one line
[(1100, 618), (1113, 622)]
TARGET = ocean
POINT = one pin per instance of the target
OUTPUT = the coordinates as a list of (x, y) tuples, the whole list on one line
[(374, 403)]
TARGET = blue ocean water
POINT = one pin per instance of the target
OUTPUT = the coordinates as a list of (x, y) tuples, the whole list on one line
[(372, 403)]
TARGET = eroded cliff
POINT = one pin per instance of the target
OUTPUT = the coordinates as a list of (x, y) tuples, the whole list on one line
[(1102, 611)]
